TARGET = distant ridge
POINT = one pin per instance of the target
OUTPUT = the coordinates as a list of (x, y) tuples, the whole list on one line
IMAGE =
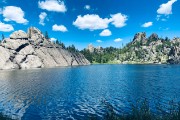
[(142, 50)]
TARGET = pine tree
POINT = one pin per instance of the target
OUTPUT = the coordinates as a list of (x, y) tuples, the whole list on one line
[(63, 46), (46, 35), (57, 41), (167, 39)]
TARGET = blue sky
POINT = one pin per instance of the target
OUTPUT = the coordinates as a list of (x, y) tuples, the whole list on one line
[(100, 22)]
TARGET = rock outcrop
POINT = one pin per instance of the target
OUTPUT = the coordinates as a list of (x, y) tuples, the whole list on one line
[(90, 48), (19, 35), (154, 36), (174, 54), (142, 50), (151, 50), (32, 50), (139, 37)]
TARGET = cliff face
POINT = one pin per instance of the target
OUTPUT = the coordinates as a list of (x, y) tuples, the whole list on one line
[(32, 50)]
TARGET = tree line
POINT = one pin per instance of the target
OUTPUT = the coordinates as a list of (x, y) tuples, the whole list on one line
[(70, 48)]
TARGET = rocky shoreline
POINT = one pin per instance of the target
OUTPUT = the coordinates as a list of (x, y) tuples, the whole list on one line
[(32, 50)]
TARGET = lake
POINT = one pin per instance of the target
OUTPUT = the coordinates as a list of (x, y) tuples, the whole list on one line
[(77, 92)]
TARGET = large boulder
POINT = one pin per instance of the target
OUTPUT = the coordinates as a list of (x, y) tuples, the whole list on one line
[(31, 61), (19, 58), (175, 51), (5, 59), (90, 48), (35, 33), (153, 36), (37, 38), (174, 60), (14, 44), (28, 50), (174, 56), (19, 35), (141, 36), (176, 41)]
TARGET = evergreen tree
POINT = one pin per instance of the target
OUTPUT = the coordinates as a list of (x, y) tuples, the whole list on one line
[(89, 56), (167, 39), (46, 35), (57, 42), (63, 46), (71, 48)]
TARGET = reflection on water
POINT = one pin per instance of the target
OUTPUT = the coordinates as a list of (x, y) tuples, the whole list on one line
[(76, 92)]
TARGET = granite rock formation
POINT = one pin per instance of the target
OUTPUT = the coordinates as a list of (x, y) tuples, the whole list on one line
[(32, 50)]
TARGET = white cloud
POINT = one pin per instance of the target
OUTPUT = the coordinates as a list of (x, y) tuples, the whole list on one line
[(94, 22), (13, 13), (147, 24), (118, 40), (166, 8), (6, 27), (42, 16), (52, 5), (87, 7), (163, 19), (99, 41), (91, 22), (119, 20), (53, 39), (105, 32), (61, 28)]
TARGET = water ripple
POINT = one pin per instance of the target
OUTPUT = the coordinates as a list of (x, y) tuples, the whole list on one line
[(78, 92)]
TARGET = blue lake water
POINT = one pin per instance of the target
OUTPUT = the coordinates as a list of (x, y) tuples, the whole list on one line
[(76, 92)]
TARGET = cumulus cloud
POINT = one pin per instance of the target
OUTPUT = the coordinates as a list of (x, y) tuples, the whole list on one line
[(42, 17), (91, 22), (119, 20), (94, 22), (147, 24), (53, 40), (61, 28), (87, 7), (99, 41), (13, 13), (105, 32), (166, 8), (6, 27), (52, 5), (118, 40)]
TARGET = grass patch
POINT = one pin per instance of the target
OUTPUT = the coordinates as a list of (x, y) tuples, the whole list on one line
[(141, 111)]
